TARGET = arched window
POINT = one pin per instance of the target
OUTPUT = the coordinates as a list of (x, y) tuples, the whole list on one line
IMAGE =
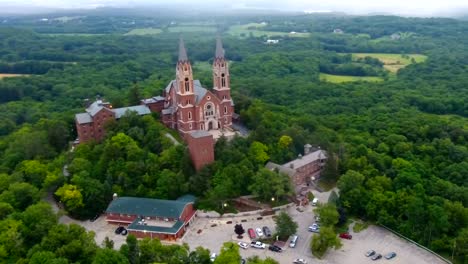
[(202, 126), (187, 85), (225, 109), (190, 115), (223, 80), (209, 110)]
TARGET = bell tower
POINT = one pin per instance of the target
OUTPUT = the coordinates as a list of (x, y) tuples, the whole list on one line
[(185, 91), (222, 84)]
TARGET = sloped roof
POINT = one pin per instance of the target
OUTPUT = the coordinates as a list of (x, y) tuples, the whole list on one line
[(153, 99), (182, 52), (83, 118), (311, 157), (219, 54), (147, 207), (273, 166), (198, 89), (139, 109)]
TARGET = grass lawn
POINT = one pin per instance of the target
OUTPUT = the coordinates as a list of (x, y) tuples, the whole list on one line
[(256, 30), (9, 75), (144, 31), (393, 62), (344, 78), (177, 29)]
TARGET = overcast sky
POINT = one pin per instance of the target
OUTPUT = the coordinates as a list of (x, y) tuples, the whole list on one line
[(404, 7)]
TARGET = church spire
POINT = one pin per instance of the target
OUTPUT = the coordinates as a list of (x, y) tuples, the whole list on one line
[(182, 51), (219, 54)]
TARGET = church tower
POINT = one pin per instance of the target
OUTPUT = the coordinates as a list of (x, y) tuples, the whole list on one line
[(221, 84), (185, 91)]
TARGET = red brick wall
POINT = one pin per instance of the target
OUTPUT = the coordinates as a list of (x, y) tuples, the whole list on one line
[(201, 150), (99, 119), (156, 107)]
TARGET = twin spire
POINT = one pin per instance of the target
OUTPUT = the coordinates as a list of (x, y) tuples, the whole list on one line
[(219, 53)]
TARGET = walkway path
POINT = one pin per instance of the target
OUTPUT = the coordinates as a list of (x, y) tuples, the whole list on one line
[(169, 136)]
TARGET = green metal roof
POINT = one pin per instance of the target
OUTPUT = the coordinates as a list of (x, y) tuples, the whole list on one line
[(147, 207), (188, 198), (156, 229)]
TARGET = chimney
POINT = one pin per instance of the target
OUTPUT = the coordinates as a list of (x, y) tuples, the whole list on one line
[(307, 148), (115, 196), (299, 156)]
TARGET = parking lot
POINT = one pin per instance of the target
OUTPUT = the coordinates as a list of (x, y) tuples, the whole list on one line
[(353, 251)]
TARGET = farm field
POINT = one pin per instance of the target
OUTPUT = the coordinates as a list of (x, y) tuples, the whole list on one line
[(255, 29), (345, 78), (144, 31), (9, 75), (177, 29), (393, 62)]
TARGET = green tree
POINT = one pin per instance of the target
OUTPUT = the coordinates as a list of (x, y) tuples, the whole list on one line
[(106, 255), (131, 250), (70, 196), (285, 226), (323, 241), (329, 216), (46, 257), (20, 195), (229, 254), (258, 152), (37, 220), (200, 256), (269, 184)]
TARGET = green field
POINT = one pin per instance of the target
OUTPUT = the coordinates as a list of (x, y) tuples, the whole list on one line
[(144, 31), (393, 62), (10, 75), (345, 78), (177, 29), (256, 30)]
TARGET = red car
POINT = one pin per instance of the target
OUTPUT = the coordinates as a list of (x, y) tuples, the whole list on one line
[(251, 233), (346, 236)]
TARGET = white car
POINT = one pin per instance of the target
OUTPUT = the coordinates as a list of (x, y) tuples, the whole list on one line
[(243, 245), (314, 228), (259, 232), (257, 244), (300, 261), (213, 257)]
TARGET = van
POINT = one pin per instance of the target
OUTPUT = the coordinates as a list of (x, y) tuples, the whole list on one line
[(293, 241), (314, 202)]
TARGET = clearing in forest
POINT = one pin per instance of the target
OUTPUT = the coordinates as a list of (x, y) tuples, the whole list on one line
[(393, 62), (256, 30), (9, 75), (194, 28), (346, 78), (144, 31)]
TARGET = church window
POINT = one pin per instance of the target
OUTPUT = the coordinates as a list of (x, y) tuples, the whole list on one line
[(190, 125), (224, 97), (209, 110), (225, 109), (190, 115), (187, 85), (202, 126), (223, 80)]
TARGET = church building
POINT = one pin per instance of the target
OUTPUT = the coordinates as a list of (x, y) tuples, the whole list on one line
[(188, 106)]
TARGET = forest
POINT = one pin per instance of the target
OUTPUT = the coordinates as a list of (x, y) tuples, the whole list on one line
[(399, 147)]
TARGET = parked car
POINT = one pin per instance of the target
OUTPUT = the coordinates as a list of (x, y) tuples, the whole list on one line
[(257, 244), (251, 233), (124, 232), (370, 253), (293, 241), (314, 228), (243, 245), (267, 231), (259, 232), (346, 236), (376, 257), (300, 261), (275, 248), (390, 255), (213, 257), (119, 230)]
